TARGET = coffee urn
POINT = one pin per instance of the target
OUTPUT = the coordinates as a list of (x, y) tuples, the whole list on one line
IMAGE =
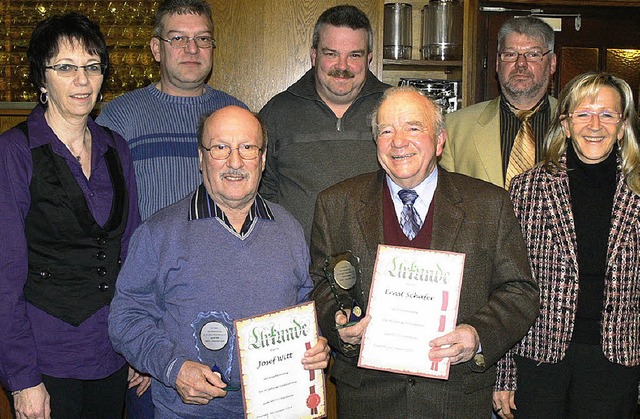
[(397, 34), (442, 22)]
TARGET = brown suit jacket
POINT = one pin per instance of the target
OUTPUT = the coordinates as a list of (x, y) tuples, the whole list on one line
[(498, 296)]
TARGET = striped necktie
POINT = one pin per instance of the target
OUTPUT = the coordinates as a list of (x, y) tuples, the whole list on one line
[(523, 152), (409, 219)]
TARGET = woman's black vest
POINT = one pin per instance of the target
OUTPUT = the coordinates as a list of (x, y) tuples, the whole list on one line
[(73, 262)]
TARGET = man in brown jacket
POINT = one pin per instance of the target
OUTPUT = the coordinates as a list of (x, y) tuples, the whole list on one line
[(498, 301)]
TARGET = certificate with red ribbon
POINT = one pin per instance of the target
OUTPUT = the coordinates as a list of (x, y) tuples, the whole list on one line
[(274, 382), (413, 299)]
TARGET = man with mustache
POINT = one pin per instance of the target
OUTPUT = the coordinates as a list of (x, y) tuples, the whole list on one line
[(221, 254), (480, 138), (159, 120), (318, 130)]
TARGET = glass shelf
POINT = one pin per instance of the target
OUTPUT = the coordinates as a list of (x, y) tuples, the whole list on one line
[(419, 64)]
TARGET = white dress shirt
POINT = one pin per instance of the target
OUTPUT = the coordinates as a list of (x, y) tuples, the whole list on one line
[(425, 191)]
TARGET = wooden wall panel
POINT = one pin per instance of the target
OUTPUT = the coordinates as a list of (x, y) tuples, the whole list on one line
[(263, 45), (9, 119), (5, 411)]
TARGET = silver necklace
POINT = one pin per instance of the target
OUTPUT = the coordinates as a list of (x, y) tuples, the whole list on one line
[(84, 144)]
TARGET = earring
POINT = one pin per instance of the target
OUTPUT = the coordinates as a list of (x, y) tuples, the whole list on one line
[(100, 97), (44, 98)]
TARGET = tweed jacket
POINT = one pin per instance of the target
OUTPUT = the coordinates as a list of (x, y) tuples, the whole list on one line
[(542, 204), (473, 141), (471, 216)]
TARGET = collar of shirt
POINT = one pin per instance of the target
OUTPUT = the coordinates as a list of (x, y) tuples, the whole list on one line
[(202, 206), (510, 124), (506, 105), (425, 191), (41, 133)]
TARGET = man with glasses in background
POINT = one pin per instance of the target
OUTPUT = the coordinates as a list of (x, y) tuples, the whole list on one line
[(219, 255), (497, 139), (159, 121)]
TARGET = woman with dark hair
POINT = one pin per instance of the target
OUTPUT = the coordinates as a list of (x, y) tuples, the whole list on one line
[(580, 216), (69, 206)]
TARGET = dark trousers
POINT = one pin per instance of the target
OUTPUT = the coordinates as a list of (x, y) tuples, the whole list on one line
[(139, 407), (92, 399), (402, 397), (583, 385)]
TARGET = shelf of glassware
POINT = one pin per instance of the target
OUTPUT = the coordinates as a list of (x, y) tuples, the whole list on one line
[(127, 27), (417, 67)]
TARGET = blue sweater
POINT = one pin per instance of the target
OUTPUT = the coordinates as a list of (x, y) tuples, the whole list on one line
[(161, 132), (179, 269)]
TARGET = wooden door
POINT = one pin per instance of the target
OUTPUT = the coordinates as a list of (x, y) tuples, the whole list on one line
[(607, 39)]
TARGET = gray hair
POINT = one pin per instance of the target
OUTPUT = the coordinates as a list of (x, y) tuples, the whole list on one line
[(181, 7), (532, 27), (438, 117)]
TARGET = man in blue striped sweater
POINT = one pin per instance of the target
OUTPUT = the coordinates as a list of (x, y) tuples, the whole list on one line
[(159, 121)]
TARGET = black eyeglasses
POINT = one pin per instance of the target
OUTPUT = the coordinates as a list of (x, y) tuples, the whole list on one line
[(223, 151), (180, 41), (529, 56), (70, 70)]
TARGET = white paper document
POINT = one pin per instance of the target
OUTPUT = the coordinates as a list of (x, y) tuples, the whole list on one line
[(413, 300)]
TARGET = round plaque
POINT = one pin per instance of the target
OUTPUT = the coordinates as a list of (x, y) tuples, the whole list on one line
[(214, 336), (345, 274)]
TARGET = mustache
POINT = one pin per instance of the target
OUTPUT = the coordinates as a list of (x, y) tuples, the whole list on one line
[(520, 71), (234, 173), (345, 74)]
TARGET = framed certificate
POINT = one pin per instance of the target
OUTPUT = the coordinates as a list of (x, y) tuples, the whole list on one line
[(414, 299), (274, 382)]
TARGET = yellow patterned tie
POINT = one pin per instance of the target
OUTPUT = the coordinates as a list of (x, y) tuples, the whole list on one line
[(523, 152)]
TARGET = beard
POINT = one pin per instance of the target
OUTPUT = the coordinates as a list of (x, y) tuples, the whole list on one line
[(512, 89)]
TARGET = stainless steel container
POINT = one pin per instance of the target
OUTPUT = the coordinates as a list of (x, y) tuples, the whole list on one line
[(442, 22), (397, 35)]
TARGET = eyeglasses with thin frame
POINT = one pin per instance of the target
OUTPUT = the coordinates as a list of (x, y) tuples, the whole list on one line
[(584, 116), (529, 56), (223, 151), (181, 41), (70, 70)]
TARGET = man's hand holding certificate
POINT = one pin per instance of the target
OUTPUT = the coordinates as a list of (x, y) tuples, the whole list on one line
[(281, 361), (413, 306)]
